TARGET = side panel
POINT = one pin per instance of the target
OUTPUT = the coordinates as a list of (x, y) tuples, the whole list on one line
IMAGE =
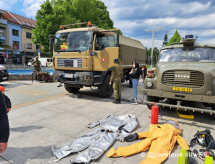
[(105, 59)]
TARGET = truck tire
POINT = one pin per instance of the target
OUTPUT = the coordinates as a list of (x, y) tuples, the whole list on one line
[(130, 83), (71, 89), (152, 99), (105, 90), (213, 108)]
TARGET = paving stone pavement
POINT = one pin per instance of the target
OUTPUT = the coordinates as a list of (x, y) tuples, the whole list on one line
[(35, 128)]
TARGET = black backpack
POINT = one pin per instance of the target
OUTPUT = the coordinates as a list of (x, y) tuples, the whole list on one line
[(203, 138)]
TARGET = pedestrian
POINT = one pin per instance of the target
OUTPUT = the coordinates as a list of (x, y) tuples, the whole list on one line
[(6, 99), (37, 67), (116, 78), (135, 75), (4, 125)]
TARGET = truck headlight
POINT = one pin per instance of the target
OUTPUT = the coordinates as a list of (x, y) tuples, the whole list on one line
[(149, 84)]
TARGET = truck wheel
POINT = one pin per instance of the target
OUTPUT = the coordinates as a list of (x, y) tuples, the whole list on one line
[(71, 89), (130, 83), (152, 99), (213, 108), (105, 90)]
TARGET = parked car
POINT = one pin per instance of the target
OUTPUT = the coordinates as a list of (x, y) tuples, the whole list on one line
[(42, 60), (50, 62), (4, 76)]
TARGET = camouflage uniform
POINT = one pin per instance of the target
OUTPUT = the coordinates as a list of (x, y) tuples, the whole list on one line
[(37, 67), (116, 77)]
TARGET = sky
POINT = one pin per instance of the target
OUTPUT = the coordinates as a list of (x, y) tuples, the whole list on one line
[(133, 17)]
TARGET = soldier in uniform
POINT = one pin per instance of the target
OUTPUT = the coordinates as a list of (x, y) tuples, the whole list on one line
[(37, 67), (116, 77)]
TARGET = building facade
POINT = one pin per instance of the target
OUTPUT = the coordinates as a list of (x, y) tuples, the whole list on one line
[(10, 37), (28, 48)]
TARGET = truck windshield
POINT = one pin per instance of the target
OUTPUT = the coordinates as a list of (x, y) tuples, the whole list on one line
[(187, 55), (73, 41)]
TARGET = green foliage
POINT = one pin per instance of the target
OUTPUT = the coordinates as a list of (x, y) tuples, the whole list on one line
[(54, 13), (155, 54), (175, 38)]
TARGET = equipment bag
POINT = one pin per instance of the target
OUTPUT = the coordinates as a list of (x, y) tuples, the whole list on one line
[(208, 160), (183, 157)]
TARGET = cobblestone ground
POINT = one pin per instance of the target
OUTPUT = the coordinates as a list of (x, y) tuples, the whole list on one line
[(45, 115)]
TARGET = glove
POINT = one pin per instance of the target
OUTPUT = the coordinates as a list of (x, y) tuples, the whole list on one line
[(122, 135), (131, 137), (93, 125)]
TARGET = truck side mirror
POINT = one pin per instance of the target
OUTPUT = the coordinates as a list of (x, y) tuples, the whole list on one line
[(50, 44), (90, 46), (93, 53)]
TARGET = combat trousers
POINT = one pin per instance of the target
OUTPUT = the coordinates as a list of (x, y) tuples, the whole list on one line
[(96, 142), (117, 89)]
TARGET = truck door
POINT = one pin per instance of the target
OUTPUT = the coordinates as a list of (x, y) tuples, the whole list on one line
[(106, 45)]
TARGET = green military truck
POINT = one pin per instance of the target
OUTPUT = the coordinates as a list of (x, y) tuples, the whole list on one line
[(85, 56), (185, 74)]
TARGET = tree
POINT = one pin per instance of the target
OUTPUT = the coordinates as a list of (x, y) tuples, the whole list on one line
[(58, 12), (155, 54), (175, 38)]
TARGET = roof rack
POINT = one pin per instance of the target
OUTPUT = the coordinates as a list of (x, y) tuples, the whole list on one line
[(69, 25)]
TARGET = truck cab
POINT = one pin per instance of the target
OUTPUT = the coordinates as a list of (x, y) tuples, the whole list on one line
[(185, 74)]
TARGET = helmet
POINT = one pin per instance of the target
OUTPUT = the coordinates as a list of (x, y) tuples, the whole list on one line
[(36, 57), (2, 88)]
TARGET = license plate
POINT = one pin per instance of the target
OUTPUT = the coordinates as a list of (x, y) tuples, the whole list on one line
[(4, 78), (68, 75), (182, 89)]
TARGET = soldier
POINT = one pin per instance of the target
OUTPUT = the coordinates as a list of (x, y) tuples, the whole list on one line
[(116, 78), (37, 68)]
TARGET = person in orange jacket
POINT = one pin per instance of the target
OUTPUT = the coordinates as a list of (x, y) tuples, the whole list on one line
[(159, 140)]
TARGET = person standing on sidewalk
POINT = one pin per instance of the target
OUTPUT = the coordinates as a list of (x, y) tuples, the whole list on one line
[(116, 78), (4, 125), (135, 75), (6, 99), (37, 67)]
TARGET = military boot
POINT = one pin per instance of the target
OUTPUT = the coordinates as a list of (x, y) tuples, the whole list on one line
[(119, 100), (116, 101)]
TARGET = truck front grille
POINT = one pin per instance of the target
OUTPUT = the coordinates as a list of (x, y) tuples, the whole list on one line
[(192, 79), (77, 63)]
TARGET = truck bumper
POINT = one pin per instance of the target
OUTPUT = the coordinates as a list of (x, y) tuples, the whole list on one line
[(178, 96), (181, 107), (78, 79)]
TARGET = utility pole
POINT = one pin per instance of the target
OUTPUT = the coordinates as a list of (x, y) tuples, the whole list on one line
[(153, 33)]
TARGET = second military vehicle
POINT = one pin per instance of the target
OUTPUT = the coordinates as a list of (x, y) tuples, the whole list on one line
[(185, 74), (85, 56)]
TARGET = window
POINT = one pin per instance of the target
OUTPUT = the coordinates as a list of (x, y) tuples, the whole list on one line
[(103, 41), (29, 45), (1, 32), (1, 42), (15, 32), (33, 25), (28, 35), (23, 22), (15, 45), (38, 47)]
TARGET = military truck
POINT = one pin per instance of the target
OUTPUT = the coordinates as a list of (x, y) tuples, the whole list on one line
[(86, 56), (185, 74)]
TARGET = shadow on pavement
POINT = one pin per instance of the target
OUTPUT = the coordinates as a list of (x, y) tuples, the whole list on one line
[(25, 129)]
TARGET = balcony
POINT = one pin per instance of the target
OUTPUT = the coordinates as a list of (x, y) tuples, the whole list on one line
[(3, 21)]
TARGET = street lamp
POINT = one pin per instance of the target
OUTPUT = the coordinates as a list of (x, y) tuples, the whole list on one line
[(153, 31)]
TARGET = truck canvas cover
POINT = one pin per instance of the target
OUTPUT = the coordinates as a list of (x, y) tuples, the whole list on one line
[(131, 50)]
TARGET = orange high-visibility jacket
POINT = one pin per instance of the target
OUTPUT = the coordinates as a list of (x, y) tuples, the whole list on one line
[(160, 140)]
